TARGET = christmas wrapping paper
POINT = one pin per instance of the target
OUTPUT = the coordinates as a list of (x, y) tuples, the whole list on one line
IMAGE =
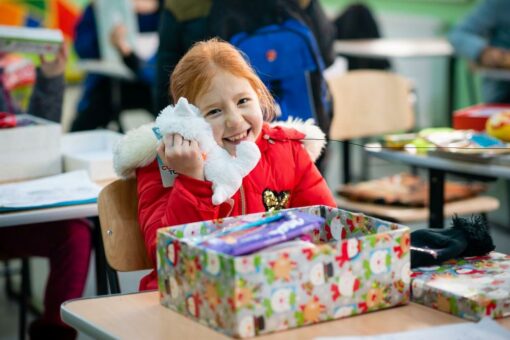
[(471, 287), (358, 264)]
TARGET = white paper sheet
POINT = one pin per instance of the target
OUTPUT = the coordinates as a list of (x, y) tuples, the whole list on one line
[(483, 330), (69, 188)]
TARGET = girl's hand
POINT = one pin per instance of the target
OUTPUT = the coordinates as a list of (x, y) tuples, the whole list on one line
[(182, 155), (119, 41)]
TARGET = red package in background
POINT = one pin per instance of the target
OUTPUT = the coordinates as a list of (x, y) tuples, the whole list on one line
[(475, 117)]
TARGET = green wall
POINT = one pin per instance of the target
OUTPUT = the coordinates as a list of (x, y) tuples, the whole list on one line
[(449, 11)]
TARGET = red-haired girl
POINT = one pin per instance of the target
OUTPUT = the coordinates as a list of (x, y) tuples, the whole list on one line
[(215, 77)]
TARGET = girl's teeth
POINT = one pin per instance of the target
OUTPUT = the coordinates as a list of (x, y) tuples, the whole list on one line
[(238, 137)]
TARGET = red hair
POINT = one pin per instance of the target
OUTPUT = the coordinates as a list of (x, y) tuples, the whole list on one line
[(199, 65)]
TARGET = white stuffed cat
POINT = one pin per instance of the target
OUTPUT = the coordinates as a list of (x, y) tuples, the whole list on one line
[(223, 170)]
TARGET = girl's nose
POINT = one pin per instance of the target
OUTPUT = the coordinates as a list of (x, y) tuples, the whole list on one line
[(233, 119)]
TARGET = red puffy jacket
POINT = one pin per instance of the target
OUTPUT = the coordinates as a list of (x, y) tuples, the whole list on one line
[(285, 177)]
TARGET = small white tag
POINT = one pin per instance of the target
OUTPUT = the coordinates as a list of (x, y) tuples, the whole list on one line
[(167, 175)]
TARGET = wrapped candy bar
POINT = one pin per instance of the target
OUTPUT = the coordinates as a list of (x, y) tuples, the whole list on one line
[(245, 239)]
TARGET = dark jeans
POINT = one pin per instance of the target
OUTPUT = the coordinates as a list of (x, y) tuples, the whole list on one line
[(108, 98)]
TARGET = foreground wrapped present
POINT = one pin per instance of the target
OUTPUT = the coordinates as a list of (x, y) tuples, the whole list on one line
[(354, 264), (471, 287)]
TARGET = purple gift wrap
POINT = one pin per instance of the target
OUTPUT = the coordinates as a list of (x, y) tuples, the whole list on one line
[(287, 226), (352, 264)]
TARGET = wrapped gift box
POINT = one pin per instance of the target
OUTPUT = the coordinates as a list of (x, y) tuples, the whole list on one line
[(91, 151), (475, 117), (470, 288), (30, 150), (358, 264)]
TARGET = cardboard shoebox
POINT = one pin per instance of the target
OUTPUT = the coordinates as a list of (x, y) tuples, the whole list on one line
[(474, 117), (471, 288), (359, 264), (91, 151), (30, 150)]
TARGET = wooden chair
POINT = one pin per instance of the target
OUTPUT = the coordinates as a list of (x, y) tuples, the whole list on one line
[(122, 239), (366, 104), (369, 103)]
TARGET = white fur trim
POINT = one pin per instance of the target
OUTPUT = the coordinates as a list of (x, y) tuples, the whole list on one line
[(136, 149), (315, 139)]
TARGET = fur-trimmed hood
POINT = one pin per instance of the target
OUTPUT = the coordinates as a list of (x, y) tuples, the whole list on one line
[(138, 147)]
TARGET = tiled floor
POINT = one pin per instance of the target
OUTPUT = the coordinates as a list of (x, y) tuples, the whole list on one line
[(500, 226)]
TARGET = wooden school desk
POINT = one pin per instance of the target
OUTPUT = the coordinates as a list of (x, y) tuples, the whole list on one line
[(140, 316)]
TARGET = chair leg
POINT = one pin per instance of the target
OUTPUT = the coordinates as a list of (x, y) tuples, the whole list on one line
[(8, 280), (24, 297), (101, 264), (113, 280), (365, 162), (346, 162)]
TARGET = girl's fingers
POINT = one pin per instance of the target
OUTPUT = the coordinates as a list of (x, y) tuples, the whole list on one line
[(178, 140), (168, 140), (194, 145)]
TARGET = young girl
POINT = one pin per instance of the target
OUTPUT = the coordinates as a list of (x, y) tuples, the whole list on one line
[(214, 77)]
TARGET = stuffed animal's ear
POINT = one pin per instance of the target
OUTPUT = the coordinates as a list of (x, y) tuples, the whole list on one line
[(184, 109)]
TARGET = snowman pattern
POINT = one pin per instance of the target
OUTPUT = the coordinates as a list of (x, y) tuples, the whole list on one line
[(213, 265), (192, 306), (378, 263), (171, 253), (174, 288), (281, 300), (246, 327), (336, 227), (245, 264), (348, 284), (192, 230), (342, 312), (405, 273)]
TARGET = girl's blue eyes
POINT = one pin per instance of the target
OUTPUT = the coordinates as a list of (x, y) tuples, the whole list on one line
[(215, 111)]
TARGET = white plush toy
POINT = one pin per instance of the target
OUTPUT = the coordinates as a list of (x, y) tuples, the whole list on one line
[(224, 171)]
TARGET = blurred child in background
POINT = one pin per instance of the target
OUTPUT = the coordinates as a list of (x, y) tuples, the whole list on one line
[(67, 244)]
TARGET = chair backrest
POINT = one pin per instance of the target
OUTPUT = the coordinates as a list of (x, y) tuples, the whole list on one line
[(369, 103), (118, 214)]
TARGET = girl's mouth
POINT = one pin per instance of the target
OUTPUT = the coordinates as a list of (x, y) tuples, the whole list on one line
[(235, 139)]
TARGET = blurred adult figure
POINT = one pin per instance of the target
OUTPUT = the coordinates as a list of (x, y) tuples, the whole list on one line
[(96, 106), (483, 37)]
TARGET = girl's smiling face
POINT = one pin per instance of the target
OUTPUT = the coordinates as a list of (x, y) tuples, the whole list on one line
[(232, 107)]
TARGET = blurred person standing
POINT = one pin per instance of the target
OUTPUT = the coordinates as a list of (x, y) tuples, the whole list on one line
[(96, 107), (483, 37)]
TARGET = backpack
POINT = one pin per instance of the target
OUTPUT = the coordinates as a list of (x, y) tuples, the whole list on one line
[(287, 59)]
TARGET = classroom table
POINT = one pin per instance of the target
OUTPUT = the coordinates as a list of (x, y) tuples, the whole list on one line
[(140, 316), (437, 168), (32, 216)]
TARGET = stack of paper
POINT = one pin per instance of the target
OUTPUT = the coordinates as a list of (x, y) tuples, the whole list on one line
[(485, 329)]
